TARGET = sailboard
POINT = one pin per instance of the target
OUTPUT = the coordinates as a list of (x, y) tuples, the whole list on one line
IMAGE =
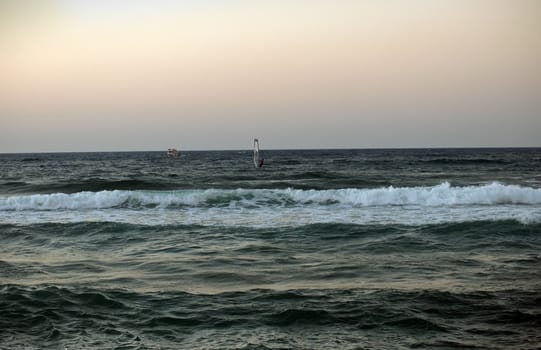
[(258, 161)]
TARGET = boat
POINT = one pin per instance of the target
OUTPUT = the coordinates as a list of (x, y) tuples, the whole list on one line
[(258, 161), (172, 152)]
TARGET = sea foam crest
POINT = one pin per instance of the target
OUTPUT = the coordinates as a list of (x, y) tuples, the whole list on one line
[(440, 195), (443, 194)]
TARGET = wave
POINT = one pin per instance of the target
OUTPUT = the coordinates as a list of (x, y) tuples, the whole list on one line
[(434, 196), (324, 175), (466, 161), (48, 316), (331, 237), (92, 185)]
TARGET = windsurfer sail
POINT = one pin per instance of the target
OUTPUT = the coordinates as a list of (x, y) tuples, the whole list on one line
[(258, 161)]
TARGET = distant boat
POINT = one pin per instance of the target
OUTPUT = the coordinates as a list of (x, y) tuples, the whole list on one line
[(258, 161), (172, 152)]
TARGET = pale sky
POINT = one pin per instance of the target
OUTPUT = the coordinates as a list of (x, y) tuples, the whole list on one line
[(121, 75)]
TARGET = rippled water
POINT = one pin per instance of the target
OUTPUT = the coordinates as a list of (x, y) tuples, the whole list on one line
[(345, 249)]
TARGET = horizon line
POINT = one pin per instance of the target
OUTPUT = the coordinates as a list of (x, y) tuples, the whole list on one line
[(286, 149)]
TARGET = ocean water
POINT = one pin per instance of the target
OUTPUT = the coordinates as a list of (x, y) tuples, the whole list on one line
[(319, 249)]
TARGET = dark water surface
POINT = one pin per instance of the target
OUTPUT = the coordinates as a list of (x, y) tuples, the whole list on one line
[(320, 249)]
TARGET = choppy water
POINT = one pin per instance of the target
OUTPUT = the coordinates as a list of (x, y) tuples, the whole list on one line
[(342, 249)]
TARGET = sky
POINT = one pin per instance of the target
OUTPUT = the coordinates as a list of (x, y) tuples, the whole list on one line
[(133, 75)]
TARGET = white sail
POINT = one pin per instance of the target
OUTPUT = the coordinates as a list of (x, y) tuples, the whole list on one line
[(256, 153)]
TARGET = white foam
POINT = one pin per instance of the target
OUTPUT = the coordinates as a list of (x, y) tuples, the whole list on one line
[(435, 196), (440, 195), (284, 216)]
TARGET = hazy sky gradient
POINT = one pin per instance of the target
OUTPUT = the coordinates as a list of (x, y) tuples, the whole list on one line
[(91, 75)]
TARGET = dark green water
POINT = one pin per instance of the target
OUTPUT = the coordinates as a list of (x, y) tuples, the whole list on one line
[(322, 249)]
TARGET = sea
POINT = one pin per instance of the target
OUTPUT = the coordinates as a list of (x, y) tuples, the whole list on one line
[(318, 249)]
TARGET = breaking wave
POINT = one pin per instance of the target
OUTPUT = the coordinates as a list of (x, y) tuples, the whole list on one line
[(434, 196)]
